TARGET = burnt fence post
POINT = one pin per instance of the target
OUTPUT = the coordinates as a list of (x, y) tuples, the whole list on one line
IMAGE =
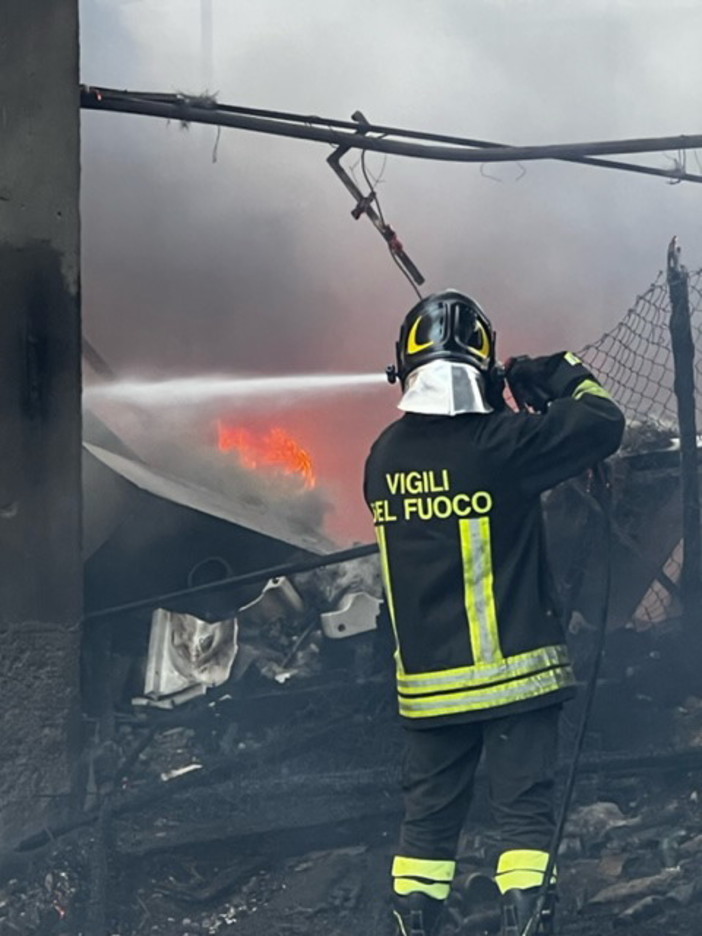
[(684, 385)]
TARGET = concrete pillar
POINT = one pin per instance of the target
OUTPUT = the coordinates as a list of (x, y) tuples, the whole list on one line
[(40, 426)]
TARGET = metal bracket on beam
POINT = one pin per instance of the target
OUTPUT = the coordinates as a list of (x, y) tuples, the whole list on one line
[(364, 205)]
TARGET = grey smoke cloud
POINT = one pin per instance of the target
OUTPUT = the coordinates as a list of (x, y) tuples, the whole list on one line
[(254, 264), (268, 225)]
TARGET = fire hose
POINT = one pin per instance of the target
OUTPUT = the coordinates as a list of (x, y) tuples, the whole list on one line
[(600, 495)]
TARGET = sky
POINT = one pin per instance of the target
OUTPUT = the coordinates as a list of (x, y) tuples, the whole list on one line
[(253, 264)]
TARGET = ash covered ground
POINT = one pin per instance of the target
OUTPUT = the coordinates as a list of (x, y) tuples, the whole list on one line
[(274, 809), (271, 805)]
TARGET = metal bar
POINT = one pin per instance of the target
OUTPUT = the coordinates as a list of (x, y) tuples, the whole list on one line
[(364, 205), (684, 386), (311, 120), (250, 578), (192, 110), (96, 360)]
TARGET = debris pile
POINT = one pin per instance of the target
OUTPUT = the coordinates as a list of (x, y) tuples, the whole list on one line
[(631, 860), (278, 814), (246, 780)]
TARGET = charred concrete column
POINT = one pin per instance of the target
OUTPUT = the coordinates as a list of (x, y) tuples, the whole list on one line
[(40, 426)]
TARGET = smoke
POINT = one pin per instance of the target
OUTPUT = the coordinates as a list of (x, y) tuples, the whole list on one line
[(183, 443), (253, 264)]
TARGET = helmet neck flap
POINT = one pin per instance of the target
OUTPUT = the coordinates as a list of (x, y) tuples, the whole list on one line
[(445, 388)]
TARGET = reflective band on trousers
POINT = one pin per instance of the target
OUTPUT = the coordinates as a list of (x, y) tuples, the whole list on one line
[(489, 697), (476, 556), (406, 886), (427, 876), (522, 868), (482, 674), (441, 870)]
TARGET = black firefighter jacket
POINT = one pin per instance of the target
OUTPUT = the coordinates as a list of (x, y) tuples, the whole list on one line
[(456, 508)]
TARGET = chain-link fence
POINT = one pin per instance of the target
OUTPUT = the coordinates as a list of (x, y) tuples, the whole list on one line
[(635, 359), (635, 362)]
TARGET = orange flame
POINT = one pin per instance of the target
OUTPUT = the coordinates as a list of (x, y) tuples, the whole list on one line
[(273, 449)]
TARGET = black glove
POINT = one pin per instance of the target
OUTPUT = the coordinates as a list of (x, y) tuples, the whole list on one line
[(535, 382)]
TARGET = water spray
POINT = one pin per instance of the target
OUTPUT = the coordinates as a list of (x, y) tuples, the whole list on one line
[(198, 390)]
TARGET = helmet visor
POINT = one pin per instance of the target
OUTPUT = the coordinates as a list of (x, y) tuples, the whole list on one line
[(472, 334)]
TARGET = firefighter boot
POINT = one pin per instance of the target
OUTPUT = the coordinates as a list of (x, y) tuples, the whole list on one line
[(416, 914), (518, 906)]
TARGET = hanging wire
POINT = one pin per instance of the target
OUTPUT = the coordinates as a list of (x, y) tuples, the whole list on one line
[(374, 196), (215, 148), (679, 162)]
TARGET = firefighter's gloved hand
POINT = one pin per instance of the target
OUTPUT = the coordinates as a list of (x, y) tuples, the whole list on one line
[(535, 382), (527, 381)]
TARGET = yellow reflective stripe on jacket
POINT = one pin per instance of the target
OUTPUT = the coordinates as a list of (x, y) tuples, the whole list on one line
[(423, 867), (521, 868), (482, 674), (591, 387), (387, 584), (421, 874), (519, 690), (476, 555)]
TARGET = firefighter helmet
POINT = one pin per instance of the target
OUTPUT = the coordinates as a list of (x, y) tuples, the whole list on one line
[(448, 326)]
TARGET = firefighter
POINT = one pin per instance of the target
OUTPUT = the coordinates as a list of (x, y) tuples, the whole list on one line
[(454, 488)]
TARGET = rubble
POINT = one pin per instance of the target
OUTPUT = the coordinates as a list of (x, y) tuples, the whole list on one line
[(186, 656), (284, 834), (270, 803), (357, 615), (627, 890), (592, 823), (188, 865)]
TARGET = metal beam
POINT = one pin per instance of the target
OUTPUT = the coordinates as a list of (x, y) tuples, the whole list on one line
[(207, 110)]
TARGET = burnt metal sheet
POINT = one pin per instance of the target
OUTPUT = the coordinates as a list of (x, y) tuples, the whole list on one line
[(357, 615), (186, 657), (251, 514), (278, 599)]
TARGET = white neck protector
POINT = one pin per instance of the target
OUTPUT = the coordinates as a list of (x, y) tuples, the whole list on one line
[(445, 388)]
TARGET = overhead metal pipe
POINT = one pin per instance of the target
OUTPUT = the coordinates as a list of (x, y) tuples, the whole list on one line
[(207, 111)]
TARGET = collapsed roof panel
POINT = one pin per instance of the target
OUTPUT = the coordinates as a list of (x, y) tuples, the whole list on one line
[(248, 513), (147, 533)]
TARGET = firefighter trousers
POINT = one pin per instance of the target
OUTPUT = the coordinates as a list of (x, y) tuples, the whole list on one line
[(438, 780)]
